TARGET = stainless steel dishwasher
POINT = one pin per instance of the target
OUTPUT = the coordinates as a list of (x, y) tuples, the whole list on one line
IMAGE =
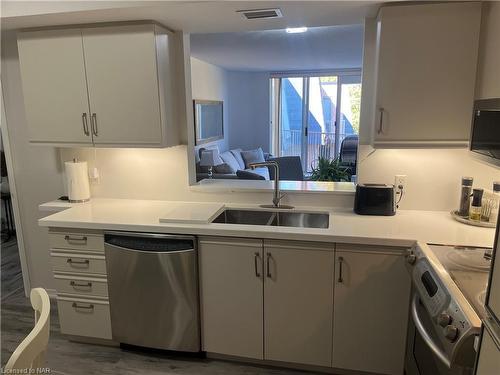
[(153, 290)]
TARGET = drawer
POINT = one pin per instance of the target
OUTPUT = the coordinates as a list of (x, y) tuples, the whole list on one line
[(80, 263), (84, 317), (79, 284), (76, 240)]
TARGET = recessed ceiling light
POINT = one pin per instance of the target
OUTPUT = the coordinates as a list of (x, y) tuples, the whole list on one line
[(296, 30)]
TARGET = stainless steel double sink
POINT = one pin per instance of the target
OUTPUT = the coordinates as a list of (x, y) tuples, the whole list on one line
[(275, 218)]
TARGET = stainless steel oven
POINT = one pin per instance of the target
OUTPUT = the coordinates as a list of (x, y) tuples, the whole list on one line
[(443, 325)]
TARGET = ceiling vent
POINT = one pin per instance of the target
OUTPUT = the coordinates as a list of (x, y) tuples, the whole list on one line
[(254, 14)]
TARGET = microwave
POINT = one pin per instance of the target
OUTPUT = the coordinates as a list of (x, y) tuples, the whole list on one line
[(485, 135)]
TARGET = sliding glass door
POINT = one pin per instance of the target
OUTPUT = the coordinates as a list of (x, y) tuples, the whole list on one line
[(305, 110)]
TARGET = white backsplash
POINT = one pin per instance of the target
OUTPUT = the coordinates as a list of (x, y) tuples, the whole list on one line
[(162, 174), (433, 175)]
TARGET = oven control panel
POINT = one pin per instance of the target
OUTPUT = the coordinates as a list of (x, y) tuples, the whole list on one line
[(430, 289)]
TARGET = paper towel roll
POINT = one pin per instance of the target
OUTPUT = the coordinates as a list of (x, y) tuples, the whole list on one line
[(77, 180)]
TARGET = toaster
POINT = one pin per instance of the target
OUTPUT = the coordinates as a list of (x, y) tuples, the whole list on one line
[(375, 199)]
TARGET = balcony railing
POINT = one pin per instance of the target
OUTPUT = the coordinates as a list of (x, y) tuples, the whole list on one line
[(318, 144)]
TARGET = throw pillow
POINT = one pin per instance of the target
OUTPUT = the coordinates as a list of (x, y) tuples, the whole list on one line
[(237, 155), (253, 156), (230, 160)]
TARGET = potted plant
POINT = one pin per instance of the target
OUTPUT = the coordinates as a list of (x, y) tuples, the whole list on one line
[(330, 170)]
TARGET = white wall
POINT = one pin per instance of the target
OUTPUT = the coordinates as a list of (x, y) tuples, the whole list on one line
[(488, 73), (433, 175), (246, 103), (162, 174), (209, 82), (37, 169), (248, 107)]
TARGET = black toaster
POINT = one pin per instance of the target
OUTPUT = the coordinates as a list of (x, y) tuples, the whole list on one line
[(375, 199)]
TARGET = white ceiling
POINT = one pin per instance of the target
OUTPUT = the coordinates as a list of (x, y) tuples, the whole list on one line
[(190, 16), (320, 48)]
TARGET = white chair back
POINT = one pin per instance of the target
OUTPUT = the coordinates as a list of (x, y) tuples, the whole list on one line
[(30, 354)]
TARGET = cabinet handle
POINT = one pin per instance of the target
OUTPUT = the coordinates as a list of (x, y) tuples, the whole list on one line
[(381, 121), (77, 285), (76, 239), (87, 306), (268, 270), (85, 124), (73, 261), (256, 260), (341, 262), (93, 124)]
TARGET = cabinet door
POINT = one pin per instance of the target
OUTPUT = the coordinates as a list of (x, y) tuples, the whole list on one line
[(123, 84), (488, 360), (298, 302), (54, 86), (231, 288), (427, 57), (372, 293)]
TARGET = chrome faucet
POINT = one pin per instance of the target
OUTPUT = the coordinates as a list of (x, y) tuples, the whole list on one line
[(277, 195)]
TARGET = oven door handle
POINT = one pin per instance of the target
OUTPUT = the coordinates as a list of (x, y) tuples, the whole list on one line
[(425, 335)]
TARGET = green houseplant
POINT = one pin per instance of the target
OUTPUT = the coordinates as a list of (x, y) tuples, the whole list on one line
[(330, 170)]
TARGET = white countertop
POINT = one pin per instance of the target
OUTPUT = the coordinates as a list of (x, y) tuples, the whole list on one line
[(261, 186), (403, 229)]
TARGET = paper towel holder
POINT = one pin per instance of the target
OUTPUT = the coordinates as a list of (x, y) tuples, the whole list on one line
[(77, 182)]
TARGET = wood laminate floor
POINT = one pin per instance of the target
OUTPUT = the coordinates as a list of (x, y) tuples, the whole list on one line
[(66, 357), (10, 268)]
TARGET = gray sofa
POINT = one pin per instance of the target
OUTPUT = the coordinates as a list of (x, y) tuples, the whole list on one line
[(233, 161), (234, 165)]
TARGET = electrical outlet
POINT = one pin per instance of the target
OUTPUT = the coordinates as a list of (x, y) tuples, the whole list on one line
[(400, 181), (94, 176)]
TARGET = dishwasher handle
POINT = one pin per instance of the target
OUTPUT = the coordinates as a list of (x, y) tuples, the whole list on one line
[(149, 242), (108, 245)]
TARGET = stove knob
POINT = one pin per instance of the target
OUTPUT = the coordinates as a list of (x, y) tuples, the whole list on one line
[(451, 332), (444, 319), (411, 258)]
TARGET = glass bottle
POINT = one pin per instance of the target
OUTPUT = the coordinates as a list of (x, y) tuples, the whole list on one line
[(475, 208), (465, 194)]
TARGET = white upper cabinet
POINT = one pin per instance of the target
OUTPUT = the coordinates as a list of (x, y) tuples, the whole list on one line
[(123, 84), (117, 81), (425, 69), (54, 86)]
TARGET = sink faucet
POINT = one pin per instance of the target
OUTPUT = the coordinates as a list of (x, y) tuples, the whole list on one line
[(277, 195)]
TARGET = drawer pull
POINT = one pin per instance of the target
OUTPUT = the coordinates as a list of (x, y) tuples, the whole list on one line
[(268, 266), (256, 264), (84, 262), (341, 277), (80, 240), (74, 284), (86, 306)]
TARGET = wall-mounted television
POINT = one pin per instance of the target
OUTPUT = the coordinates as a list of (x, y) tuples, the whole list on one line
[(485, 135)]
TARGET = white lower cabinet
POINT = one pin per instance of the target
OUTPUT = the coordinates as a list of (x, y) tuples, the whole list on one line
[(79, 267), (84, 317), (231, 287), (298, 302), (372, 293), (267, 300)]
